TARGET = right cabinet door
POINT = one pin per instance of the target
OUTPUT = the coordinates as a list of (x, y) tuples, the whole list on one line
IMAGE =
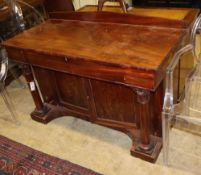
[(114, 102)]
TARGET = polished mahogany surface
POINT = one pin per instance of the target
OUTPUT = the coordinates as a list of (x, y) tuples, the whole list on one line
[(107, 68), (107, 44)]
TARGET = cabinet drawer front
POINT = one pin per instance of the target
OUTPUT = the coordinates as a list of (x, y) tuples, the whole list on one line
[(15, 54), (83, 68), (92, 69), (59, 63)]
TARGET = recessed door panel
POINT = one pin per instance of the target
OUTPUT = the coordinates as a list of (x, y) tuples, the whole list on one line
[(71, 90), (113, 102)]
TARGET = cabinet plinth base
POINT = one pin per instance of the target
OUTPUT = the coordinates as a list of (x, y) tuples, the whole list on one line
[(49, 113), (149, 155)]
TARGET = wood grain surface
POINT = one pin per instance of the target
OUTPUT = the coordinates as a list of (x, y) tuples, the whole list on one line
[(107, 44)]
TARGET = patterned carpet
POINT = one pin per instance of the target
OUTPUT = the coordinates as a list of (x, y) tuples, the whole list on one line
[(17, 159)]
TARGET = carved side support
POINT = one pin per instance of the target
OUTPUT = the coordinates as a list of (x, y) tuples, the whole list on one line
[(146, 146), (143, 98), (41, 110)]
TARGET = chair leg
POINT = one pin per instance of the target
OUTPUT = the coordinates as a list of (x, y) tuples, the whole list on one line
[(9, 105), (166, 129)]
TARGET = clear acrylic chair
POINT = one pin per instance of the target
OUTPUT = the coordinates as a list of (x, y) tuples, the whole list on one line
[(17, 22), (3, 91), (20, 21), (183, 109)]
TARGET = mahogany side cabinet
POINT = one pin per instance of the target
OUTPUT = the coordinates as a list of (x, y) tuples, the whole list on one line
[(106, 68)]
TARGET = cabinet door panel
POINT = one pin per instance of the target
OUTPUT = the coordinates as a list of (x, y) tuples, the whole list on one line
[(113, 102), (71, 90)]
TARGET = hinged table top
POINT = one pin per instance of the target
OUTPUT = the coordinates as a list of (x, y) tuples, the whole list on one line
[(142, 47), (131, 47)]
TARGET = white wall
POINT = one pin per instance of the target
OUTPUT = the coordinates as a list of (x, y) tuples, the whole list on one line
[(81, 3)]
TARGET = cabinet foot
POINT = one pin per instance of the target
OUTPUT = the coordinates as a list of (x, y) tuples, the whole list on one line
[(49, 113), (147, 152)]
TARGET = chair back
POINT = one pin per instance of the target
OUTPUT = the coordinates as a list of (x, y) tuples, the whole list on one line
[(20, 20), (169, 99), (3, 65), (196, 29), (16, 24), (180, 111)]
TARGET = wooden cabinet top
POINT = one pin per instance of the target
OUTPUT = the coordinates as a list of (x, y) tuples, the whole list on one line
[(133, 52), (124, 45)]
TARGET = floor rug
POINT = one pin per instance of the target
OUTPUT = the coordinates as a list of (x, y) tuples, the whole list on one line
[(18, 159)]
